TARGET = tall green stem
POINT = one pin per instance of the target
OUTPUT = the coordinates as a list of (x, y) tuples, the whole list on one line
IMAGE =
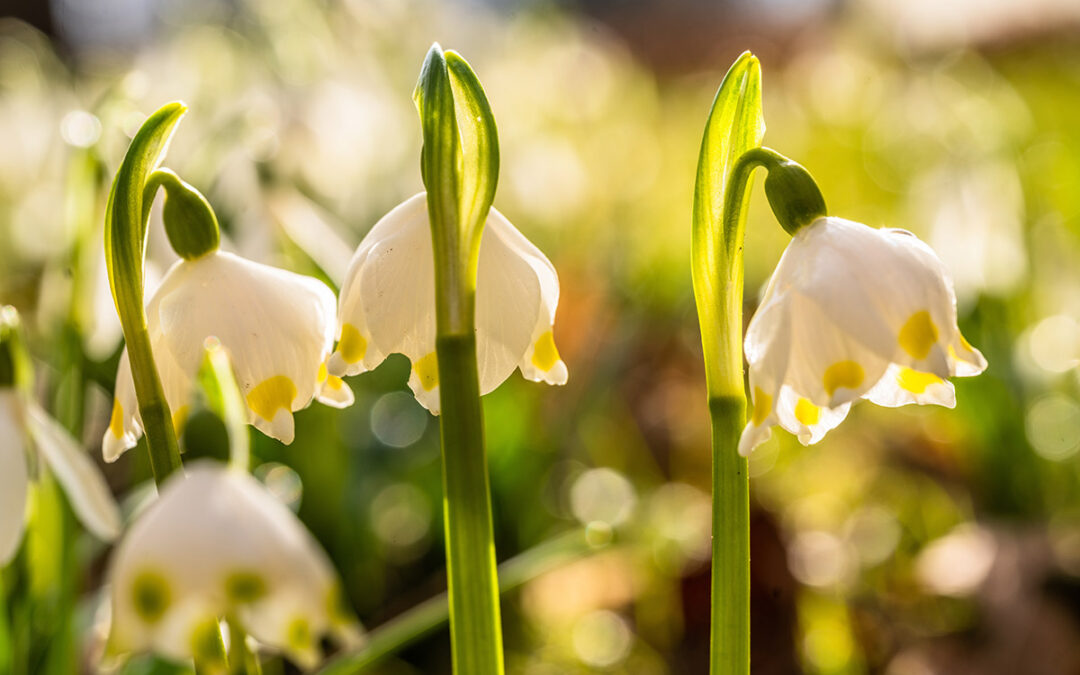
[(731, 540), (470, 548), (735, 126), (460, 167)]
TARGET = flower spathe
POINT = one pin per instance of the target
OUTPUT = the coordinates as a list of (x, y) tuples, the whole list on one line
[(387, 304), (217, 544), (23, 425), (277, 327), (851, 312)]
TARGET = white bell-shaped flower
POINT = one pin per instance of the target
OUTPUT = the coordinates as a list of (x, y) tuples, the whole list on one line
[(852, 312), (277, 326), (25, 425), (387, 304), (218, 544)]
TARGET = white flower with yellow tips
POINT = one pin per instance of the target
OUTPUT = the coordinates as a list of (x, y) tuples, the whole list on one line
[(24, 425), (852, 312), (387, 304), (216, 544), (277, 327)]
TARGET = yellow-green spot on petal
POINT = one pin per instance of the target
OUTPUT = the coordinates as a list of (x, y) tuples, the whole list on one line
[(352, 345), (545, 355), (116, 422), (244, 587), (298, 634), (322, 374), (918, 334), (915, 381), (807, 413), (271, 395), (845, 374), (427, 369), (151, 596), (762, 406), (206, 645), (334, 383), (179, 417)]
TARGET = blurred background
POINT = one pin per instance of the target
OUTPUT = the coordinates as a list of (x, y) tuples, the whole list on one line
[(909, 542)]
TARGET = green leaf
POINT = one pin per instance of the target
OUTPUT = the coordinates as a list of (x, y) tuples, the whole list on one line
[(126, 214), (735, 125), (479, 143), (460, 167), (125, 240)]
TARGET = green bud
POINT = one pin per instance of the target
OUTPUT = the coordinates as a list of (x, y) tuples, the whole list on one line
[(793, 195), (189, 219)]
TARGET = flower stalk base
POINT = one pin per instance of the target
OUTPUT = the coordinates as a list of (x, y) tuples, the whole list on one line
[(730, 615), (475, 630)]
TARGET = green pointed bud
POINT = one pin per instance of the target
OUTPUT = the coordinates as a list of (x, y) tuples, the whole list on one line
[(793, 195), (190, 222)]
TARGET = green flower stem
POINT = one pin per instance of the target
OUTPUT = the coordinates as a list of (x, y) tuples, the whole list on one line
[(730, 617), (734, 128), (470, 547), (429, 615), (459, 165)]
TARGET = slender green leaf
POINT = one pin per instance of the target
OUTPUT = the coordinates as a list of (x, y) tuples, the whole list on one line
[(125, 239), (735, 125), (480, 147)]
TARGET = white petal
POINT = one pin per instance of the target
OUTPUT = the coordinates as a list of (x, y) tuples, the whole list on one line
[(517, 294), (804, 419), (793, 341), (754, 435), (124, 428), (277, 327), (965, 360), (396, 284), (904, 386), (84, 485), (125, 424), (388, 304), (13, 477), (870, 283), (219, 539), (334, 392)]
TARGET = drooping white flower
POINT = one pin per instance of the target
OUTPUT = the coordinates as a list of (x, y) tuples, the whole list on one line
[(852, 312), (217, 544), (25, 425), (387, 304), (277, 327)]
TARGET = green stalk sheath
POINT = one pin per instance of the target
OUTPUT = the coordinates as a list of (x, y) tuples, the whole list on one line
[(735, 126), (475, 631)]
